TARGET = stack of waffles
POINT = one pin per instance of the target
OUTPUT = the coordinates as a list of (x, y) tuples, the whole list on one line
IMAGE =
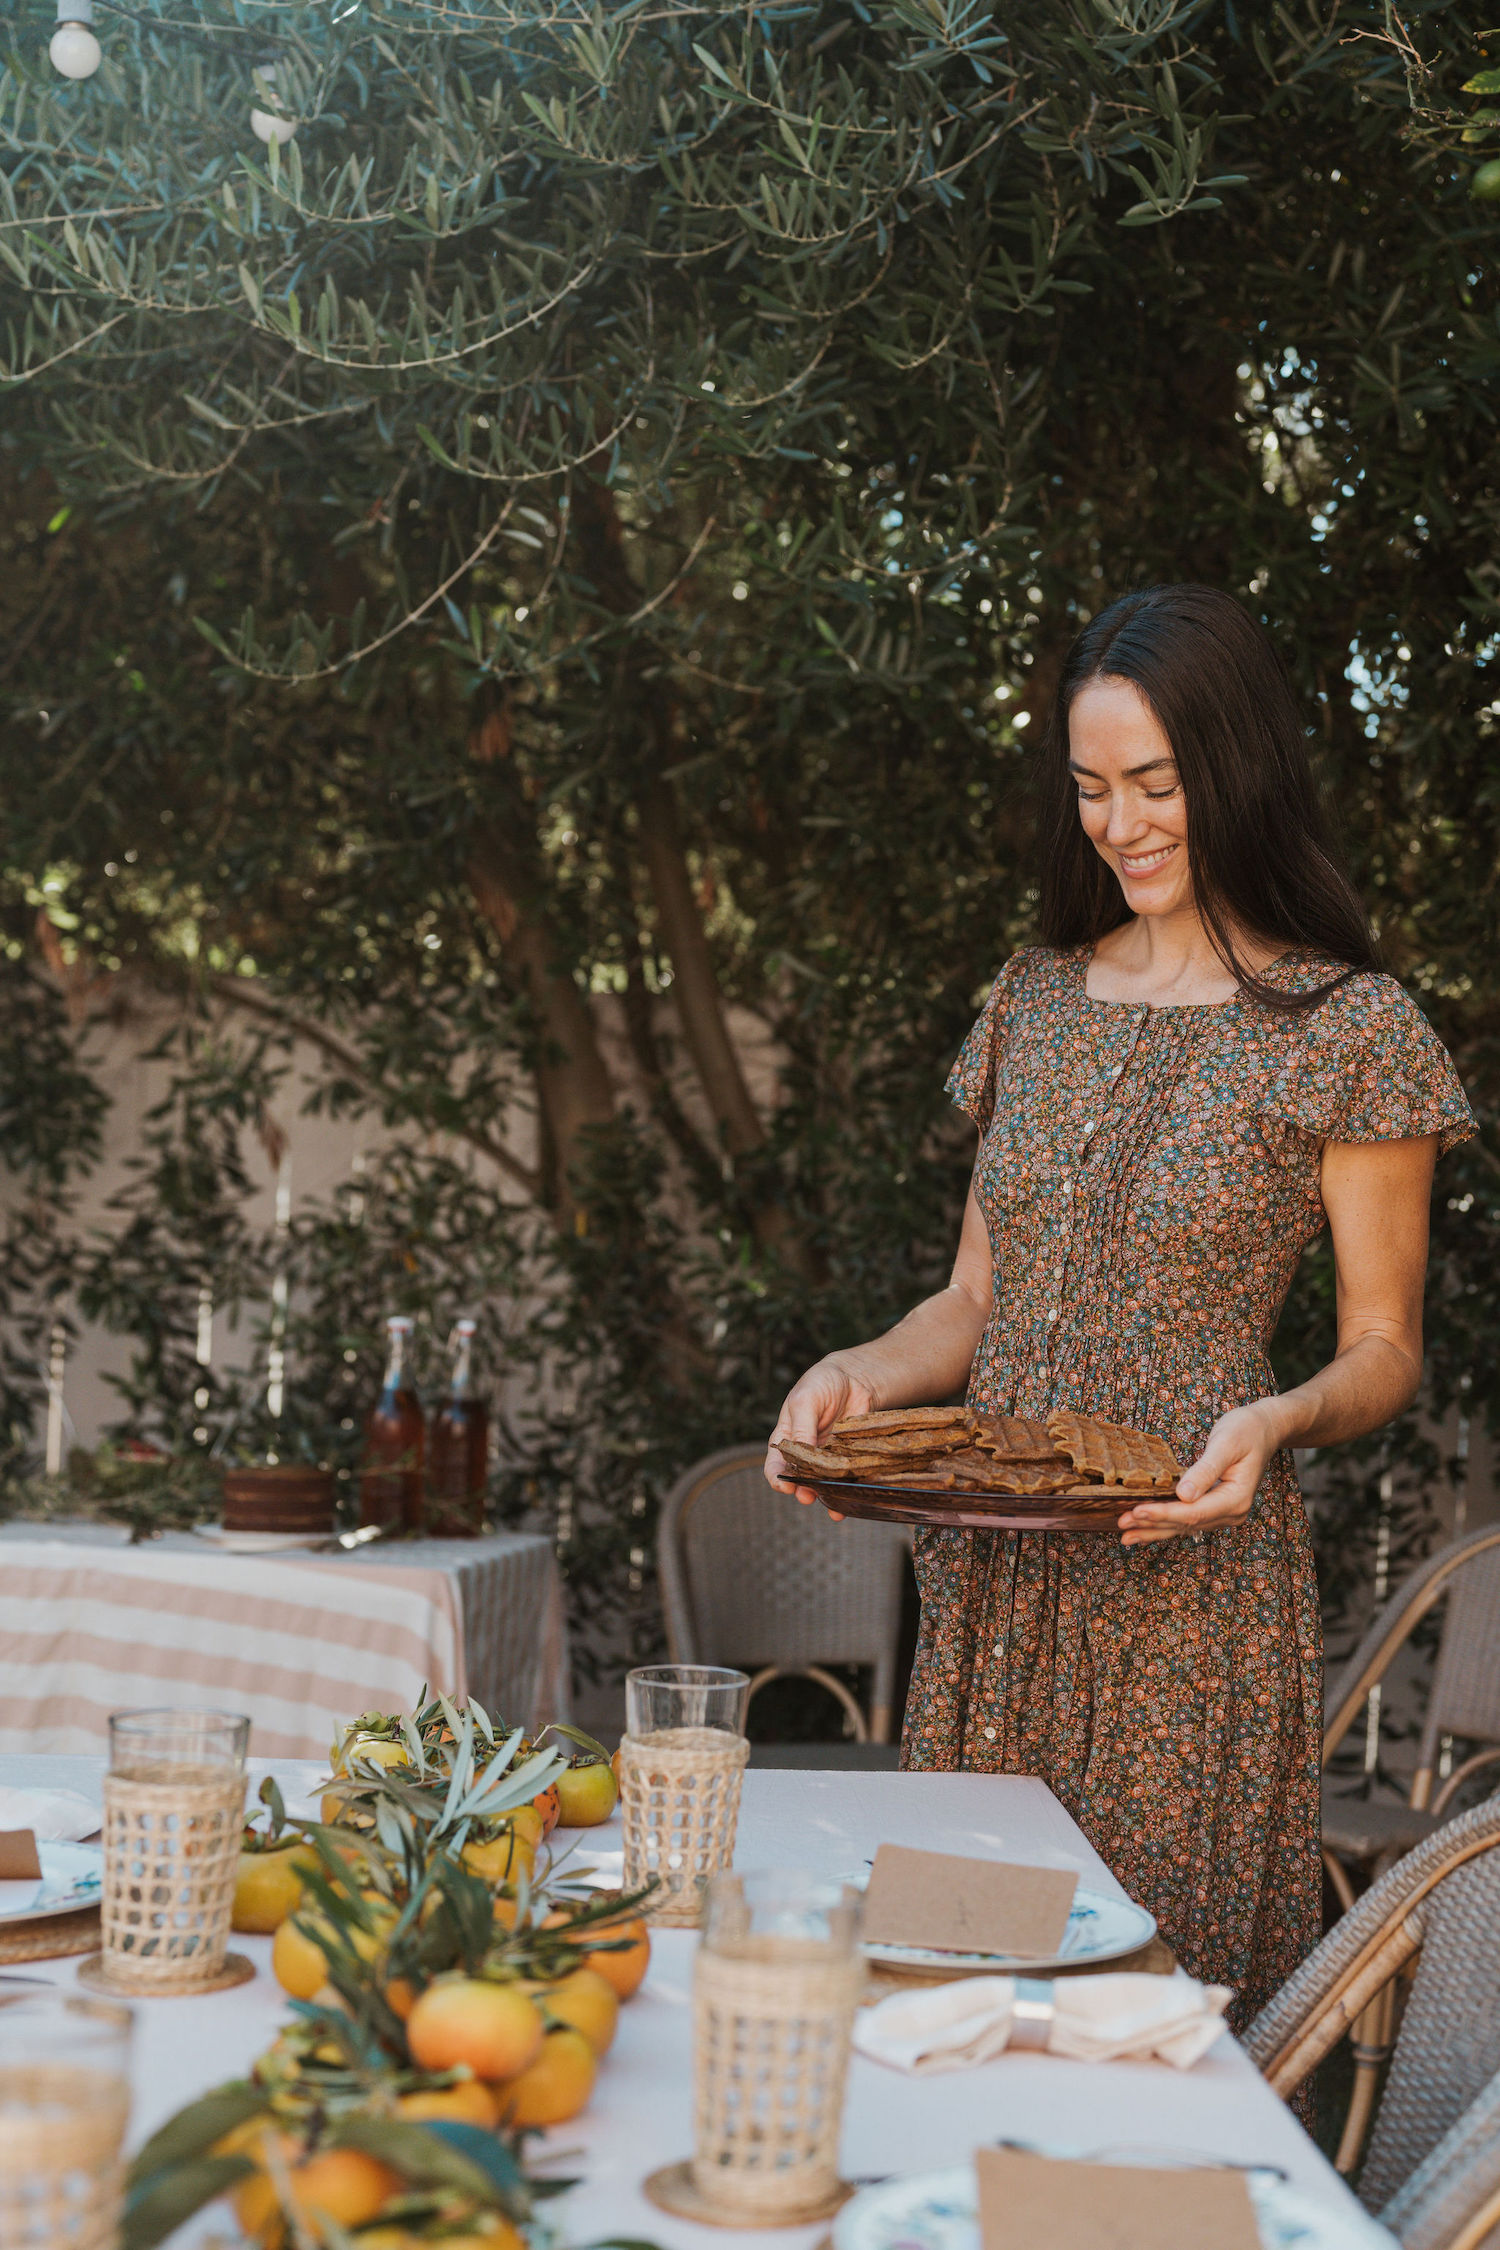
[(958, 1449)]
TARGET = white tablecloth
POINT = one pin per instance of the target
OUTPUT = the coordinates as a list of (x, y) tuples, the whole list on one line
[(640, 2116), (90, 1625)]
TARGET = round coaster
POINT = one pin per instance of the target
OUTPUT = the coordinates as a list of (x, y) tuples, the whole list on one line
[(51, 1938), (674, 2189), (236, 1970)]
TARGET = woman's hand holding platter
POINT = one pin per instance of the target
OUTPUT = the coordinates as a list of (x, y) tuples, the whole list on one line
[(1221, 1485), (823, 1396)]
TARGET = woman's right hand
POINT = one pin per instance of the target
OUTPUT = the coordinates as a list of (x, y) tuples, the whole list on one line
[(823, 1396)]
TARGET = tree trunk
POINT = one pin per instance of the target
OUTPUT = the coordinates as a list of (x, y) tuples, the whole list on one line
[(695, 988), (574, 1093)]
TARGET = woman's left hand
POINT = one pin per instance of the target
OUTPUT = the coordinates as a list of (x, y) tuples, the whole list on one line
[(1222, 1483)]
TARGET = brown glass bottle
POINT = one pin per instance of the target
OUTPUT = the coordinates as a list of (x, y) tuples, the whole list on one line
[(390, 1476), (459, 1457)]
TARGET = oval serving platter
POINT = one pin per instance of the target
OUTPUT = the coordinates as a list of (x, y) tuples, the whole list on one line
[(71, 1878), (1094, 1507)]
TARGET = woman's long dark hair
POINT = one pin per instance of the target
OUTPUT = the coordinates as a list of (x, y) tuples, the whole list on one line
[(1263, 857)]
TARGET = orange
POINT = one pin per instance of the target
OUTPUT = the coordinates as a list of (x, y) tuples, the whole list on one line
[(587, 1795), (268, 1887), (494, 2028), (625, 1969), (341, 2184), (370, 1750), (584, 2000), (614, 1767), (547, 1805), (529, 1825), (401, 1997), (299, 1966), (470, 2101), (556, 2086), (500, 1858)]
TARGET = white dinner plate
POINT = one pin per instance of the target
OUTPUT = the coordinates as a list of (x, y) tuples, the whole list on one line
[(1099, 1929), (261, 1542), (71, 1875), (940, 2211)]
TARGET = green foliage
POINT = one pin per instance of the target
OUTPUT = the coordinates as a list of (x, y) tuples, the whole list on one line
[(565, 558)]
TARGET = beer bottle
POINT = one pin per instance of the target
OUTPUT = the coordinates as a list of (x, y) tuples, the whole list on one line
[(390, 1477), (460, 1449)]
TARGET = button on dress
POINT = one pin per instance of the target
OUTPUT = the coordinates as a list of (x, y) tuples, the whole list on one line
[(1150, 1179)]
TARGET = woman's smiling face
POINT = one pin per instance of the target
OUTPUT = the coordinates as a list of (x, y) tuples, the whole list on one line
[(1130, 796)]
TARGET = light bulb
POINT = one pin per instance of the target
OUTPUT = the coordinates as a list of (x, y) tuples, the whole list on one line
[(266, 124), (75, 52)]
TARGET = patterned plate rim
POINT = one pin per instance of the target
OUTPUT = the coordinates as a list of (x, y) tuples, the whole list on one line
[(76, 1899), (1338, 2230), (1008, 1964)]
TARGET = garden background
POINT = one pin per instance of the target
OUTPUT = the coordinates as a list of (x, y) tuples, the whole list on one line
[(525, 608)]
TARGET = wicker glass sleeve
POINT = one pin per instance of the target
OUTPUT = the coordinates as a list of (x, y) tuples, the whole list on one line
[(679, 1808)]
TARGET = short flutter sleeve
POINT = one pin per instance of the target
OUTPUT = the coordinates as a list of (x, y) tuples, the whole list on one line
[(1367, 1066), (971, 1081)]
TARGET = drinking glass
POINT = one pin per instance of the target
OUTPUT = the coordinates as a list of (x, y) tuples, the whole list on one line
[(174, 1808), (660, 1698), (64, 2106), (775, 1986), (682, 1763)]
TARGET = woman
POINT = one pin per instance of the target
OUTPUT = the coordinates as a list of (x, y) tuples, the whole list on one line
[(1197, 1067)]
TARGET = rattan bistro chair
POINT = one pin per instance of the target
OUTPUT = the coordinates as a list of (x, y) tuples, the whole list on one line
[(1439, 1908), (749, 1577), (1452, 2200), (1464, 1702)]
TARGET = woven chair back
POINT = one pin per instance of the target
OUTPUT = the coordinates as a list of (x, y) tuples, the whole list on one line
[(1443, 1898), (1453, 2197), (750, 1577), (1448, 2047), (1465, 1699)]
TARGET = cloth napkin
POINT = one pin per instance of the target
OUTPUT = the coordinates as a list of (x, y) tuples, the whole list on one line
[(54, 1816), (1091, 2019)]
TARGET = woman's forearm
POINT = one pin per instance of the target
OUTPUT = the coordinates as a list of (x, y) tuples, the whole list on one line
[(925, 1357), (1368, 1382)]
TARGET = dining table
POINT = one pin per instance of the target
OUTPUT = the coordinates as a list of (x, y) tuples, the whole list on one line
[(299, 1639), (640, 2116)]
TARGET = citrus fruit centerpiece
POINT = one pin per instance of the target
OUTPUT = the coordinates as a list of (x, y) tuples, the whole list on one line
[(453, 1992)]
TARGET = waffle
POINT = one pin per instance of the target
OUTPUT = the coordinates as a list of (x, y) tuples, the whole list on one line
[(1010, 1437), (815, 1461), (904, 1446), (1056, 1475), (1113, 1455), (892, 1420)]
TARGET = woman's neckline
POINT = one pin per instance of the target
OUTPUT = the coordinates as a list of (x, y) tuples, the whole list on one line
[(1165, 1007)]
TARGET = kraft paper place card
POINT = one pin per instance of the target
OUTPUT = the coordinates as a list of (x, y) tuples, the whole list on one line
[(1025, 2200), (18, 1855), (966, 1905)]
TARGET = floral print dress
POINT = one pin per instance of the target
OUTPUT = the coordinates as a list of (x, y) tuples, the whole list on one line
[(1150, 1178)]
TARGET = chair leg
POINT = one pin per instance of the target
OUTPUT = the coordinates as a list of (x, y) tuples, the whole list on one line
[(1339, 1878), (880, 1722), (1370, 2043)]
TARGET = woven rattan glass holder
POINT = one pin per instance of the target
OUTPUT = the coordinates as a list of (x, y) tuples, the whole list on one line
[(64, 2106), (174, 1808), (775, 1988), (682, 1763), (679, 1808)]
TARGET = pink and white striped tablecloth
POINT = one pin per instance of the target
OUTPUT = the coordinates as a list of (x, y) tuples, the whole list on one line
[(90, 1625)]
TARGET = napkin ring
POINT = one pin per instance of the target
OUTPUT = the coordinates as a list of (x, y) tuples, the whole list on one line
[(1032, 2017)]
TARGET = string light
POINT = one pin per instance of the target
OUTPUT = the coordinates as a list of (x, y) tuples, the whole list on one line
[(75, 52), (266, 124)]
